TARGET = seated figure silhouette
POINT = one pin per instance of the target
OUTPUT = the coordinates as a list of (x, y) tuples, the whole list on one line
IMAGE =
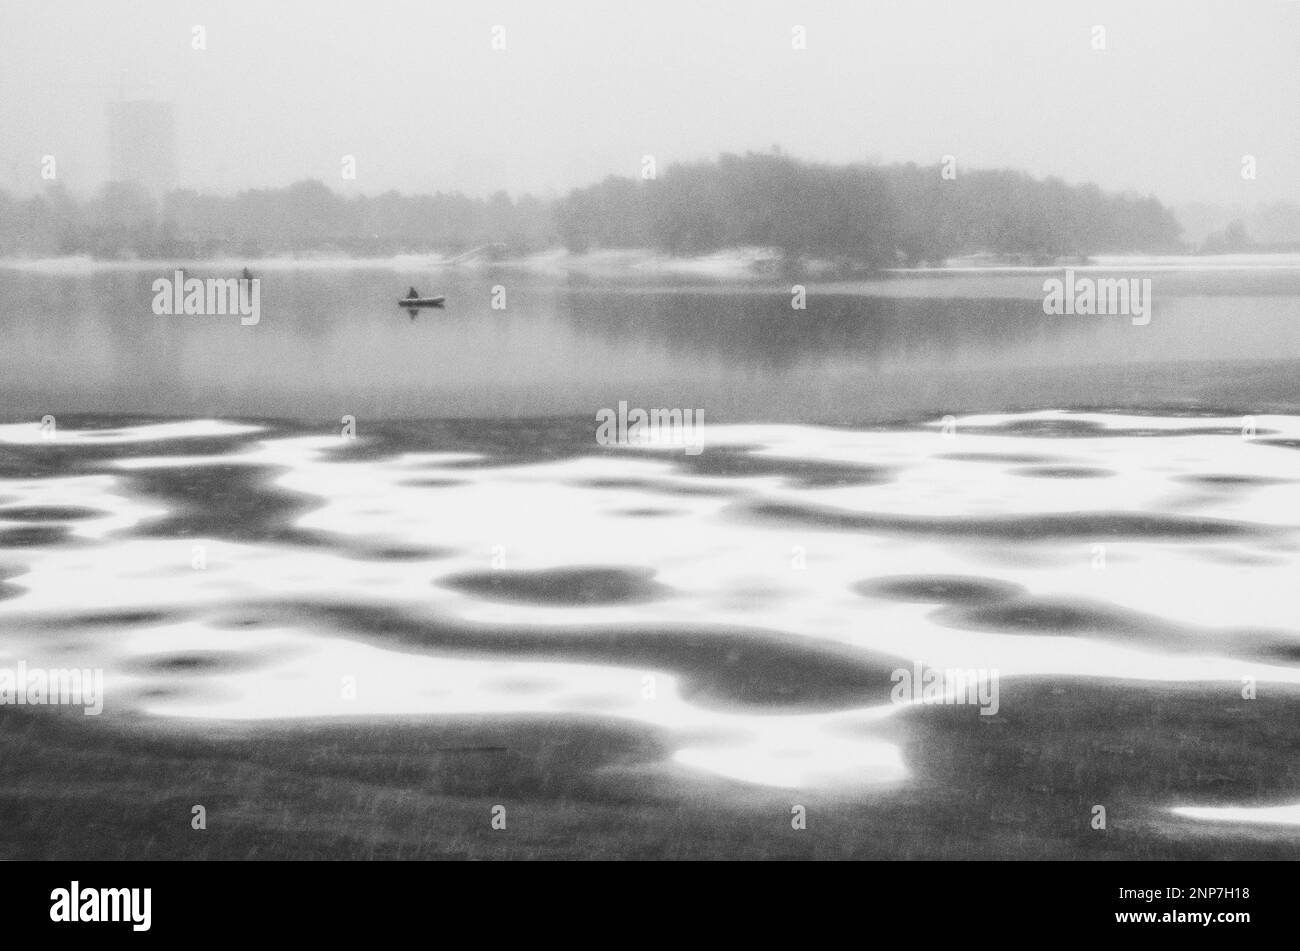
[(412, 301)]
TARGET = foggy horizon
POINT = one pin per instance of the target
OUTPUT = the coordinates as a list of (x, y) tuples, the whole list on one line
[(1169, 108), (772, 431)]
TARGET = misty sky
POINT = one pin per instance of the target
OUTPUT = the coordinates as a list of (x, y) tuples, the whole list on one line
[(584, 89)]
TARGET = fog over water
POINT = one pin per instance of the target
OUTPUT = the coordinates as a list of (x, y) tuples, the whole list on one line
[(331, 341)]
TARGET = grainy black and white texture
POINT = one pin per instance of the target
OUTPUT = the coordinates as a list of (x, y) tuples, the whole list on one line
[(569, 430)]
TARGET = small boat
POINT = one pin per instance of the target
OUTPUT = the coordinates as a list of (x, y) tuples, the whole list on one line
[(413, 301)]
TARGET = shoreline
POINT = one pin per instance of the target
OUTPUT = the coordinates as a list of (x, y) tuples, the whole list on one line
[(741, 264)]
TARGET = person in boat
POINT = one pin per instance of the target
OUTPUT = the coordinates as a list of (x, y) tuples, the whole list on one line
[(413, 300)]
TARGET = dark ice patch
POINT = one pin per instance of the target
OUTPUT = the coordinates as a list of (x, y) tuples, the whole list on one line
[(126, 618), (1087, 428), (650, 485), (943, 589), (1229, 481), (39, 460), (196, 662), (236, 502), (397, 552), (806, 473), (1065, 472), (561, 586), (1088, 525), (34, 536), (9, 590), (1006, 458), (47, 513), (716, 665), (1065, 617)]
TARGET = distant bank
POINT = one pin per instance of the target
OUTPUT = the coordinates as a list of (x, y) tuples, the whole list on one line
[(732, 264)]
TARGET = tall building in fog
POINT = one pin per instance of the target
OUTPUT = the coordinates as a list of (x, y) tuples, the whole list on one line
[(142, 144)]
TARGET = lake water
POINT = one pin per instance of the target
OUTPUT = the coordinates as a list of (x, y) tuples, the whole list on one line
[(925, 473), (331, 341)]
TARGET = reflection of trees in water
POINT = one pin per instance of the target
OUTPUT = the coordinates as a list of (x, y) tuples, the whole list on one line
[(86, 326), (762, 329), (99, 332)]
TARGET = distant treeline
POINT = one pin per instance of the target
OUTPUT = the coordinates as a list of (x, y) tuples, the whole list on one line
[(871, 215), (125, 221), (857, 215)]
